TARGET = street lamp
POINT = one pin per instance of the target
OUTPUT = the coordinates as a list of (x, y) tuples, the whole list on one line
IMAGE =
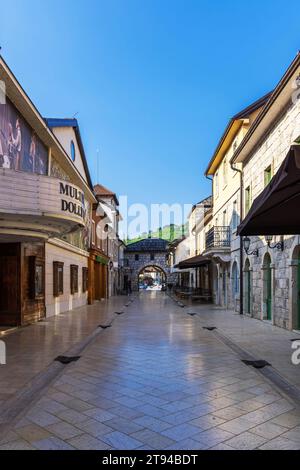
[(246, 242), (277, 245)]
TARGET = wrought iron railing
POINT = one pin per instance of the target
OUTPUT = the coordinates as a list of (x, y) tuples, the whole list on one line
[(218, 236)]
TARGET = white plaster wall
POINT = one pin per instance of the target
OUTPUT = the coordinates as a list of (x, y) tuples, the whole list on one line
[(67, 301)]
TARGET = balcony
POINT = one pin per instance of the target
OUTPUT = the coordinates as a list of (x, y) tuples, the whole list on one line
[(218, 237)]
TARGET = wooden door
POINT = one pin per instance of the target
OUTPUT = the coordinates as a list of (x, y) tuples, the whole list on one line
[(10, 285)]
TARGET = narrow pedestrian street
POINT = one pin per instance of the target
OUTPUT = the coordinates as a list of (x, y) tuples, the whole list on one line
[(155, 379)]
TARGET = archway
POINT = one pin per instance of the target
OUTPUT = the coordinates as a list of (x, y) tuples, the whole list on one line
[(267, 287), (152, 278), (295, 281), (247, 287)]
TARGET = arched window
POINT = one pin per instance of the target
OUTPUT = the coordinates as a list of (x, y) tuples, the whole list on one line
[(72, 150)]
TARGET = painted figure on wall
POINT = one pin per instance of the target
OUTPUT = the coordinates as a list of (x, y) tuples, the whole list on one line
[(20, 148)]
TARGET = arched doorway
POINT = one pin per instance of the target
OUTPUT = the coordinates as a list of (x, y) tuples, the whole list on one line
[(247, 287), (152, 278), (295, 282), (267, 287), (234, 284)]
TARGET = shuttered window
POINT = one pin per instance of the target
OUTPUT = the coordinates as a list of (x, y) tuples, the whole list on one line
[(58, 278), (73, 278), (84, 279)]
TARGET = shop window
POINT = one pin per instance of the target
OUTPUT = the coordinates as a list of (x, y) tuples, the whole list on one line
[(74, 278), (84, 279), (36, 278), (58, 278), (152, 256), (136, 257)]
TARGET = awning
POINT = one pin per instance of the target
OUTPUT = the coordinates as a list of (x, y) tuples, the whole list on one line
[(276, 210), (193, 262)]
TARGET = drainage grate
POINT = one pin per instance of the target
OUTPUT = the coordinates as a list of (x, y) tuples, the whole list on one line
[(104, 326), (67, 359), (209, 328), (191, 313), (259, 364)]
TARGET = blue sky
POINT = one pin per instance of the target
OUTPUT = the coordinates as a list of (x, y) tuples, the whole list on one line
[(153, 83)]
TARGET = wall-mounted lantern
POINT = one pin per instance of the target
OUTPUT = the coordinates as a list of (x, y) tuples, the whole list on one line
[(246, 243), (277, 245)]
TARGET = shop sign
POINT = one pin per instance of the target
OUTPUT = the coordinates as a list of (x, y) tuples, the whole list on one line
[(74, 206)]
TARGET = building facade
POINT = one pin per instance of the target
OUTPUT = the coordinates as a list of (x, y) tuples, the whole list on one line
[(271, 269), (222, 244), (45, 211)]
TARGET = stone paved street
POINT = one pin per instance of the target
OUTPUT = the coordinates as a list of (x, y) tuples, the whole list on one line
[(157, 380)]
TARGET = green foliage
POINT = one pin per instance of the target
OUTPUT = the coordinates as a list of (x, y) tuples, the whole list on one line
[(169, 232)]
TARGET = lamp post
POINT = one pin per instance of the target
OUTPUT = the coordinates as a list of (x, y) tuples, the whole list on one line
[(277, 245), (246, 243)]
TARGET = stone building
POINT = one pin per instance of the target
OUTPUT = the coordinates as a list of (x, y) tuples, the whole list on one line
[(271, 269), (146, 257), (219, 230)]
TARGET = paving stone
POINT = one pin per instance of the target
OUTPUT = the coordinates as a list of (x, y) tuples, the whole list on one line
[(94, 427), (87, 442), (280, 443), (212, 437), (137, 387), (246, 440), (121, 441), (182, 431), (155, 440), (32, 432), (52, 443), (269, 430), (17, 445), (64, 430), (293, 435)]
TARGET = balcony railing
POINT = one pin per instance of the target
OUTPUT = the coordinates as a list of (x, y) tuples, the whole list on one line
[(218, 237)]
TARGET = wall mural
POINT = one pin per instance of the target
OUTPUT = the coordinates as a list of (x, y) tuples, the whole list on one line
[(20, 148)]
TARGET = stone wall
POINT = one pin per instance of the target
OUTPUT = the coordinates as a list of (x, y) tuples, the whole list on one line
[(272, 151), (144, 260)]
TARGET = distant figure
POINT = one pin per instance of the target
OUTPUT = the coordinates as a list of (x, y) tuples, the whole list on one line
[(129, 287)]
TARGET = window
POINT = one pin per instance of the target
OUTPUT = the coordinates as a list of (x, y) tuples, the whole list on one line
[(225, 171), (235, 279), (217, 184), (152, 256), (85, 272), (224, 218), (73, 278), (93, 232), (136, 257), (247, 199), (235, 217), (72, 150), (36, 278), (58, 278), (267, 175)]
